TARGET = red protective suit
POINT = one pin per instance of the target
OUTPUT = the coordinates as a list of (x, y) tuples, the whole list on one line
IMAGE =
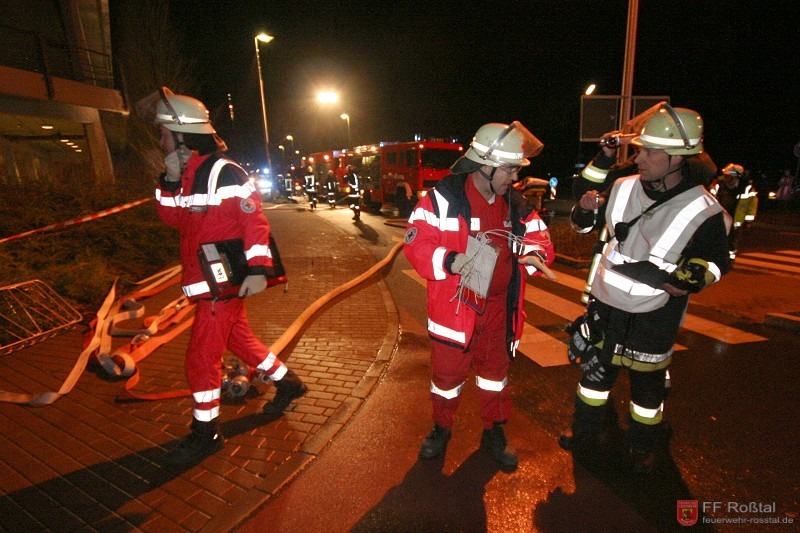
[(439, 226), (214, 201)]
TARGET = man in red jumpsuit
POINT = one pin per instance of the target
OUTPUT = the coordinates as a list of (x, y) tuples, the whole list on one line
[(477, 201), (209, 199)]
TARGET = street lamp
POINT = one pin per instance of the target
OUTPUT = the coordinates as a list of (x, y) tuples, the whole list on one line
[(264, 38), (327, 97), (345, 116), (590, 89)]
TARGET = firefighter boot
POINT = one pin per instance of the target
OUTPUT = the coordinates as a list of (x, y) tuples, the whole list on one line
[(290, 387), (204, 440), (642, 461), (590, 424), (495, 441), (435, 443)]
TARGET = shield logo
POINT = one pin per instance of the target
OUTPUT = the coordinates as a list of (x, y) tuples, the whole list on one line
[(687, 512)]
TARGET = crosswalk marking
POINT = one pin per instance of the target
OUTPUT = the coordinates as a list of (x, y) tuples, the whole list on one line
[(563, 308), (777, 255), (743, 259), (546, 350), (709, 328), (542, 348), (535, 344)]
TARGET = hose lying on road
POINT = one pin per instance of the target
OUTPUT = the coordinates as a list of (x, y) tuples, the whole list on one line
[(172, 320)]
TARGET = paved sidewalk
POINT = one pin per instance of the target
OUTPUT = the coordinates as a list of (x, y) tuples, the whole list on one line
[(88, 462)]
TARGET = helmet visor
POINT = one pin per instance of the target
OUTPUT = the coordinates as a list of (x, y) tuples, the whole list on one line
[(530, 145)]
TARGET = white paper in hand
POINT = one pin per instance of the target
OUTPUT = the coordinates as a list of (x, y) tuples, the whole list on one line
[(477, 274)]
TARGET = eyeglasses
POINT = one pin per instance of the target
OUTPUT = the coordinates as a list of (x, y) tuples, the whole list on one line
[(511, 170)]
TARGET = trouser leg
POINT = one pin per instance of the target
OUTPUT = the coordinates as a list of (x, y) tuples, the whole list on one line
[(646, 409), (491, 362), (591, 402), (244, 343), (203, 359), (450, 367)]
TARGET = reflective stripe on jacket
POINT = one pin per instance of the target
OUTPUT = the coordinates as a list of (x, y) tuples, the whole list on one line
[(214, 201), (659, 237), (439, 225)]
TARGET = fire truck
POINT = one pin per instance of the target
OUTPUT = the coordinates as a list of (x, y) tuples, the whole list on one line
[(395, 173)]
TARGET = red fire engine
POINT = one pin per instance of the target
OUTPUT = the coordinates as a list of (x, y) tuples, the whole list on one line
[(396, 173)]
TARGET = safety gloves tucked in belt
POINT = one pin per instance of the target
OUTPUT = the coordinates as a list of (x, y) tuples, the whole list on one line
[(593, 368), (585, 345), (692, 275), (253, 284)]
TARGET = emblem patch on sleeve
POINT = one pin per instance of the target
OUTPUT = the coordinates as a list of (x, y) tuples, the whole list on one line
[(410, 235), (247, 205)]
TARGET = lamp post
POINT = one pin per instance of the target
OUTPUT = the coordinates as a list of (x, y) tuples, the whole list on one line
[(587, 92), (327, 99), (264, 38), (290, 138), (345, 116)]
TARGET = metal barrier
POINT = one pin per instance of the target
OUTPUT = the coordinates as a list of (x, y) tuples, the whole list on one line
[(31, 312)]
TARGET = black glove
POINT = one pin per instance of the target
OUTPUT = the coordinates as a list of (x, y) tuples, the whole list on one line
[(593, 368), (692, 275), (585, 336)]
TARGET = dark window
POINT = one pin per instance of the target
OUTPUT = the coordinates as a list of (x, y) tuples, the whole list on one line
[(439, 159), (411, 158)]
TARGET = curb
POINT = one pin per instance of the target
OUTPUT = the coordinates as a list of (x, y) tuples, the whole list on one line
[(258, 495)]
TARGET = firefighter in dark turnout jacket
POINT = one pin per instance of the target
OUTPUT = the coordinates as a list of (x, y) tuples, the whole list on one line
[(667, 240)]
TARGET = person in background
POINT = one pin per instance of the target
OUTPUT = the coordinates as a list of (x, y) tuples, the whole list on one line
[(476, 201), (785, 188), (734, 190), (667, 240), (354, 194), (210, 200)]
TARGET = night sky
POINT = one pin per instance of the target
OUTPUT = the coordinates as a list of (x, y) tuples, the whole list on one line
[(442, 69)]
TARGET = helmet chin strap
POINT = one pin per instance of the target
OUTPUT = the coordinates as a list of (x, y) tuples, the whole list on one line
[(658, 184), (179, 144), (489, 177)]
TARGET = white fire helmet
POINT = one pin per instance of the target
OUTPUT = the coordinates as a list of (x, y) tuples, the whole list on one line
[(182, 113)]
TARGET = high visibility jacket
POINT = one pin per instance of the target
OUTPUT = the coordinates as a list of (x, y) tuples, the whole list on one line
[(440, 224), (742, 203), (214, 201), (746, 207), (601, 173), (659, 236)]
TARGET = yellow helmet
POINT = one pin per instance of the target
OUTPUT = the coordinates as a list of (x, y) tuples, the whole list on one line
[(733, 170), (676, 131)]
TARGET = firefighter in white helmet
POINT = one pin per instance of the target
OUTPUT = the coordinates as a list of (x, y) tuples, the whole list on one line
[(734, 190), (667, 240), (476, 200), (208, 197)]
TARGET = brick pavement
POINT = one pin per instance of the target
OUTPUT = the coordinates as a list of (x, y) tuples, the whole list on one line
[(88, 462)]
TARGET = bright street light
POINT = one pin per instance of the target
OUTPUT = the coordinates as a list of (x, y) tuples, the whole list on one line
[(345, 116), (264, 38), (590, 89), (327, 97)]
